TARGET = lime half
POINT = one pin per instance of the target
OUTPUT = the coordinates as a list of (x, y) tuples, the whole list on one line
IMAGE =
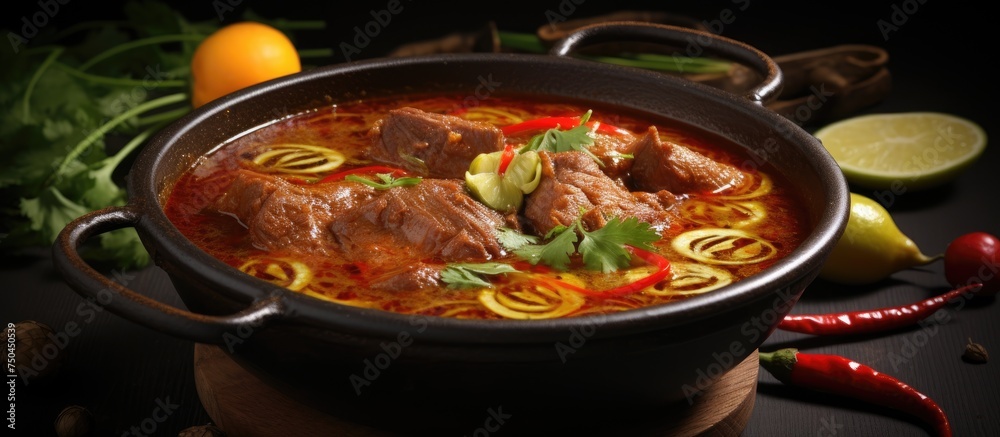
[(911, 150)]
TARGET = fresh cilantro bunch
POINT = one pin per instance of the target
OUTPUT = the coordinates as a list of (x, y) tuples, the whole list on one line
[(81, 100)]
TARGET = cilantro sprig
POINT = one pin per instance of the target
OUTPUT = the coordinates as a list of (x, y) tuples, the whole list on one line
[(602, 249), (469, 275), (555, 140), (81, 101), (387, 181)]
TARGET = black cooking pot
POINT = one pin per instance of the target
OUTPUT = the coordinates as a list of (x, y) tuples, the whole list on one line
[(429, 373)]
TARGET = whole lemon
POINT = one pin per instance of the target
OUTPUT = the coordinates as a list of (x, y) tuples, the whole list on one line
[(237, 56), (871, 248)]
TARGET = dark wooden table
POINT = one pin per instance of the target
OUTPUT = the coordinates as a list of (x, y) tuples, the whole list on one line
[(940, 58)]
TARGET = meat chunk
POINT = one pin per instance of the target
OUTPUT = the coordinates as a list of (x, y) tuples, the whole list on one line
[(610, 150), (411, 277), (433, 219), (661, 165), (572, 182), (279, 215), (431, 144)]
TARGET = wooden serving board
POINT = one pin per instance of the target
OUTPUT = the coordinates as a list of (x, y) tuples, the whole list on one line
[(242, 405)]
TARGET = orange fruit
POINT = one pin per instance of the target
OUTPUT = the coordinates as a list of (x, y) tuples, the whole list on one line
[(237, 56)]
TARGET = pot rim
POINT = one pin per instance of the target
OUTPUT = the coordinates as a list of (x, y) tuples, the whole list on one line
[(169, 243)]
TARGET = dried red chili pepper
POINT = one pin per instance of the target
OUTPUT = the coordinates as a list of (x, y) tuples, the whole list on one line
[(842, 376), (869, 321)]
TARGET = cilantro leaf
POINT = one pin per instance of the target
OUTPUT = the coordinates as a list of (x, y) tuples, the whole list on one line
[(124, 247), (555, 253), (512, 240), (555, 140), (60, 139), (50, 212), (604, 248), (468, 275), (387, 181)]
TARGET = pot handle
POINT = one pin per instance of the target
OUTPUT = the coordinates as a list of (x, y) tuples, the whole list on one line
[(765, 92), (135, 307)]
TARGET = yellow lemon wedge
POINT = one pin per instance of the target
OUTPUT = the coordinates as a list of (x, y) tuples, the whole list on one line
[(871, 248), (915, 150)]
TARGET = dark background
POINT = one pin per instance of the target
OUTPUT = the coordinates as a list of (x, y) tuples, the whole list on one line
[(941, 59)]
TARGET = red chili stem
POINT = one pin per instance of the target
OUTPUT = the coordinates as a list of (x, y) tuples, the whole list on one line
[(506, 158), (869, 321), (369, 170), (547, 123), (842, 376), (662, 270)]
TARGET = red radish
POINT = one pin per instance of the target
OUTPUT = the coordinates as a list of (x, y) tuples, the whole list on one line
[(974, 258)]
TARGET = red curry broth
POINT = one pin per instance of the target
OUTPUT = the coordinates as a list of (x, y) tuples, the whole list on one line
[(761, 224)]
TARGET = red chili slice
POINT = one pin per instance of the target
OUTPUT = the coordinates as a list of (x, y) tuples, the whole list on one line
[(369, 170), (547, 123), (662, 270)]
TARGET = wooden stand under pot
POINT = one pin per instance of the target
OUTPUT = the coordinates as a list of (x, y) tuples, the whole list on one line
[(242, 405)]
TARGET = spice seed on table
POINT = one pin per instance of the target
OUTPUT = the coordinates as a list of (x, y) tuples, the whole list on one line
[(975, 353)]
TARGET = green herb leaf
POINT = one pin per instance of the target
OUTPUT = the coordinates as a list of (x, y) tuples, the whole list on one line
[(50, 212), (124, 247), (469, 275), (387, 181), (555, 253), (602, 249), (555, 140), (513, 240), (74, 96)]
